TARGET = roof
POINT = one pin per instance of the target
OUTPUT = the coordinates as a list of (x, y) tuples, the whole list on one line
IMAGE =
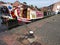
[(1, 2), (16, 3)]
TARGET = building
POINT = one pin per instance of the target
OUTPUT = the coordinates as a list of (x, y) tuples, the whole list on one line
[(56, 7)]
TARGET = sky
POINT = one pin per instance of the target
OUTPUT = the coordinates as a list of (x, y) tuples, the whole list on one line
[(38, 3)]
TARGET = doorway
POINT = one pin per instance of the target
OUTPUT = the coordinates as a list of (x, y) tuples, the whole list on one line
[(25, 13)]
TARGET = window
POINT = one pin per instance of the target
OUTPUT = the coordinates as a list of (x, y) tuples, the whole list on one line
[(4, 10)]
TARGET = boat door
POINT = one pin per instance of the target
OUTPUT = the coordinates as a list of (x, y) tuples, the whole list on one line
[(24, 15)]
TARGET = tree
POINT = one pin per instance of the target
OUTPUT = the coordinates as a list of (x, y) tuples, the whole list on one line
[(35, 6), (24, 3), (31, 6)]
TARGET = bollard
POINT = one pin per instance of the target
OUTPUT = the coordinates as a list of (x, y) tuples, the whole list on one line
[(31, 34)]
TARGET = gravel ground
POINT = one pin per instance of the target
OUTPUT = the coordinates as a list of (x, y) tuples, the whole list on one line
[(46, 30)]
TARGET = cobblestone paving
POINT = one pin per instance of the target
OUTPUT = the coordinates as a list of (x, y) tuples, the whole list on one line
[(47, 32)]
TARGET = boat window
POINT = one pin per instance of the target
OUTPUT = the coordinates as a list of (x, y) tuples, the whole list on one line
[(4, 10)]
